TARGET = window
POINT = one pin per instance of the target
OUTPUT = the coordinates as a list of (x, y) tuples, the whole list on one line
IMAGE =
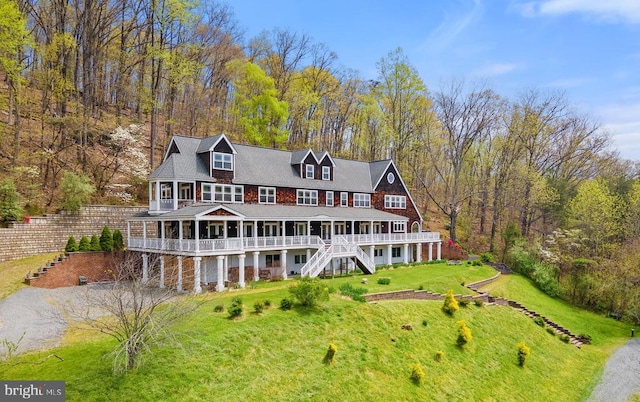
[(377, 252), (307, 197), (308, 174), (228, 193), (399, 226), (300, 259), (326, 173), (206, 192), (361, 200), (395, 252), (222, 161), (344, 199), (165, 191), (267, 195), (329, 197), (395, 201), (185, 191), (391, 178)]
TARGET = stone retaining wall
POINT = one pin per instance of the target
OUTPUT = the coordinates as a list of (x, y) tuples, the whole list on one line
[(418, 295), (44, 234)]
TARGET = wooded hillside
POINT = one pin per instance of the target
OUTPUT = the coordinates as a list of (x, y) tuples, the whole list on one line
[(93, 90)]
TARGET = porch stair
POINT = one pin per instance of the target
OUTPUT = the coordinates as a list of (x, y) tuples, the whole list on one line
[(339, 247)]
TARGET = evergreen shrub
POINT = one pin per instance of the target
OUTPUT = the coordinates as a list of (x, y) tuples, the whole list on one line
[(71, 245), (417, 374), (450, 305), (236, 308), (464, 334)]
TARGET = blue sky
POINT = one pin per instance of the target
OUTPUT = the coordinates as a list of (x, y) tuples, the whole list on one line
[(590, 49)]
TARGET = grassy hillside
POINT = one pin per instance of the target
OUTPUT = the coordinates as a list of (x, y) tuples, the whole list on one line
[(278, 355), (14, 272)]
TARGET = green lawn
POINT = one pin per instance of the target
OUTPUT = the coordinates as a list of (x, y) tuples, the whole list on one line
[(277, 355), (14, 272)]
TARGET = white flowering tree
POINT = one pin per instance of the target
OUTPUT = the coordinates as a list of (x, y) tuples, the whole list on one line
[(122, 164)]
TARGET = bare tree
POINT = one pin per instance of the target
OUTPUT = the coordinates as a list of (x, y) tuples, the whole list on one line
[(465, 118), (132, 309)]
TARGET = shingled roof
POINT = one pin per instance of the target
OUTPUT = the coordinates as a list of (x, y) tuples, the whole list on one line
[(267, 167)]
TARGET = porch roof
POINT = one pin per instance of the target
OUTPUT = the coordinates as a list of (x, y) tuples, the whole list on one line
[(265, 212)]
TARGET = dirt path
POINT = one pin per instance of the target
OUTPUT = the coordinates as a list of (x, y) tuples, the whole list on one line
[(621, 377)]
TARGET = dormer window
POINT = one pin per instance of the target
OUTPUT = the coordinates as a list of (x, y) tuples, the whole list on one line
[(222, 161), (326, 173), (308, 173)]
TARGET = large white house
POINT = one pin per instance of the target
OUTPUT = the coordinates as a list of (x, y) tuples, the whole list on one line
[(220, 210)]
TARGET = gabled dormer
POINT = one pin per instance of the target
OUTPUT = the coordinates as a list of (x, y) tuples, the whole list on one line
[(313, 166), (219, 154), (326, 164)]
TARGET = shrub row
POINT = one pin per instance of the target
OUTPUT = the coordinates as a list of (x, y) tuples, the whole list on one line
[(108, 241)]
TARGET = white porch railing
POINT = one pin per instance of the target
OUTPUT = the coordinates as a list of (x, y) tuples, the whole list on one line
[(223, 245), (391, 238)]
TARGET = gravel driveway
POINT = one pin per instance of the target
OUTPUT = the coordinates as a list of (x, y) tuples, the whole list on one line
[(32, 312), (621, 377)]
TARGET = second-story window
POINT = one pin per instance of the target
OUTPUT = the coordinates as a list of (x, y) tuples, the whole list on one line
[(361, 200), (326, 173), (166, 191), (344, 199), (399, 226), (222, 161), (206, 192), (307, 197), (329, 197), (395, 201), (185, 191), (267, 195), (308, 174), (228, 193)]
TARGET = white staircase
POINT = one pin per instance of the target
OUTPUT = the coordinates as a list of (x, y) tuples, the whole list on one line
[(339, 247)]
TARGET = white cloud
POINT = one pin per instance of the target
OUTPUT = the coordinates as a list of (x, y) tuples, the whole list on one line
[(603, 10), (452, 26), (623, 123), (494, 69)]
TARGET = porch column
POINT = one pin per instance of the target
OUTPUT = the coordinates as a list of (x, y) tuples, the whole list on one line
[(284, 238), (371, 232), (406, 254), (372, 252), (161, 272), (226, 268), (308, 254), (179, 284), (145, 268), (241, 258), (196, 275), (308, 236), (256, 262), (389, 248), (197, 235), (283, 263), (419, 252), (144, 234), (255, 232), (180, 235), (175, 194), (333, 267), (162, 233), (220, 283), (430, 251), (439, 255), (157, 190)]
